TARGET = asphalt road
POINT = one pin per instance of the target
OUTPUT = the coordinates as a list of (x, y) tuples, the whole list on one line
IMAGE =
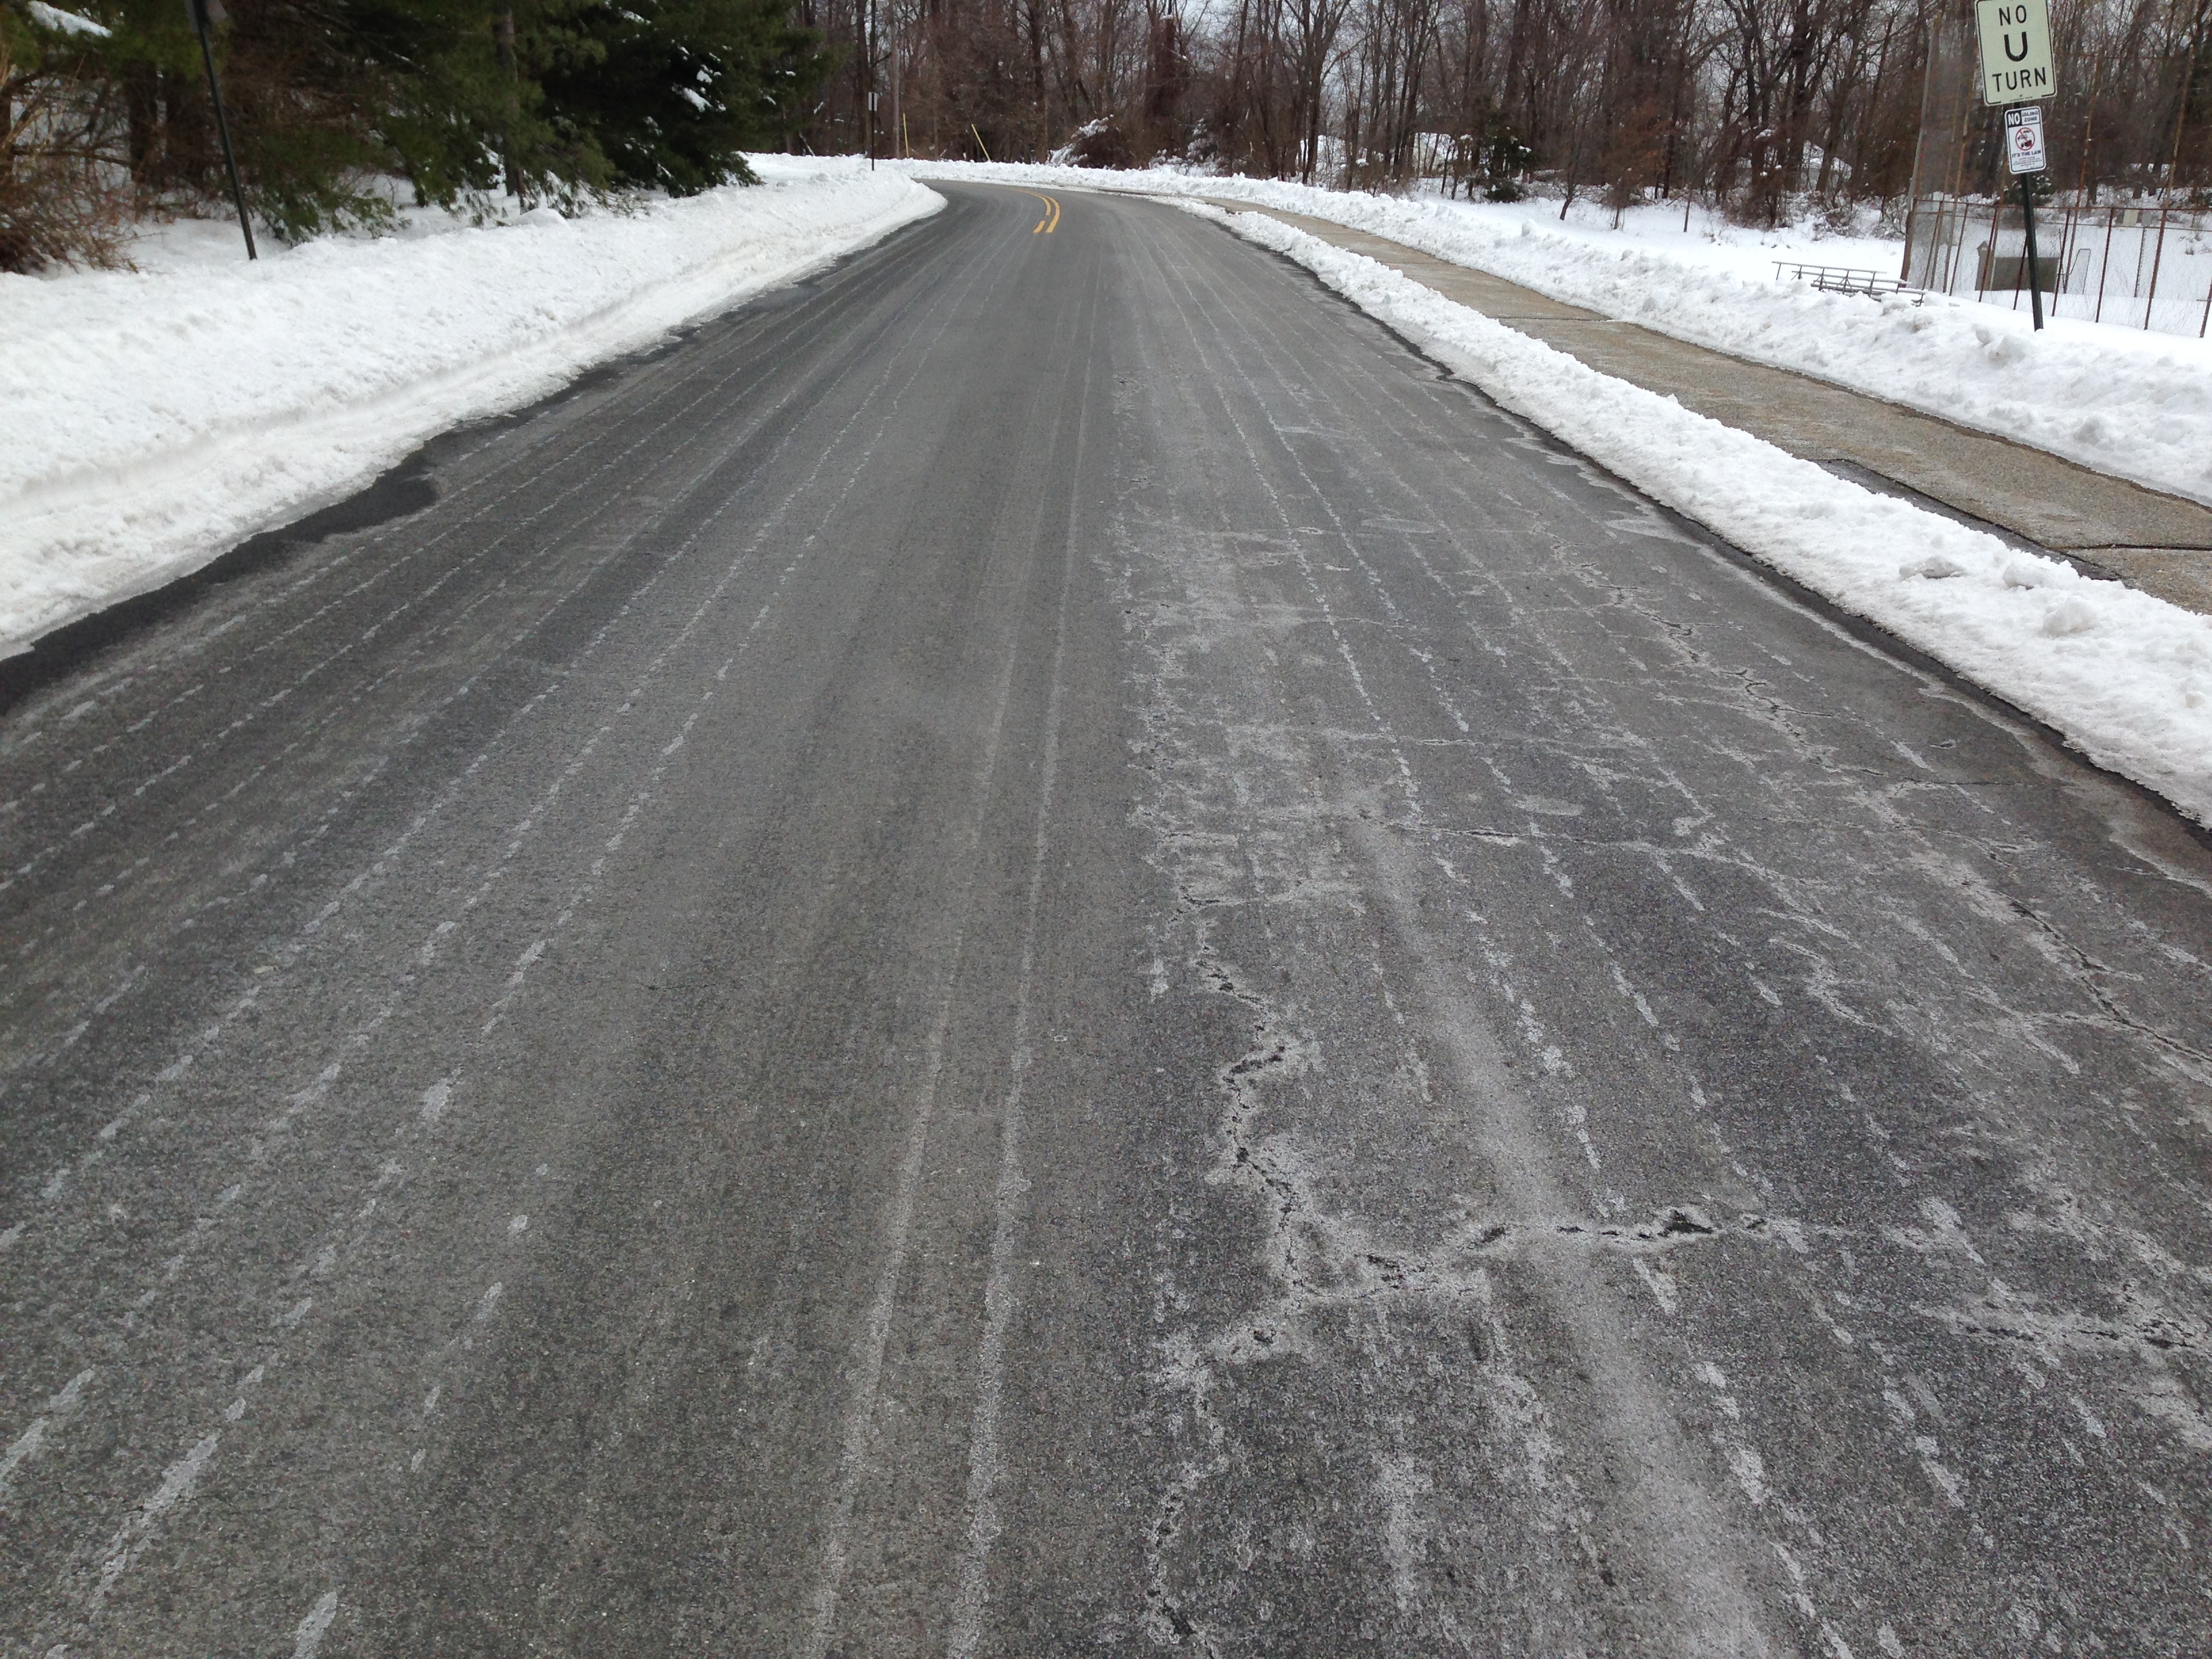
[(1038, 951)]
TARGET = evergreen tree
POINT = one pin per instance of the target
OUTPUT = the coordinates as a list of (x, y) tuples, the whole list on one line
[(330, 101), (60, 124), (672, 92)]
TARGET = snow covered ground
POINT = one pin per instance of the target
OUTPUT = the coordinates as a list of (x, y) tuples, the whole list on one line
[(2134, 404), (155, 418), (2126, 677)]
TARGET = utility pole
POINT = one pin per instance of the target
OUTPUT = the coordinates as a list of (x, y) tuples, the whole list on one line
[(1919, 146), (203, 12), (502, 34)]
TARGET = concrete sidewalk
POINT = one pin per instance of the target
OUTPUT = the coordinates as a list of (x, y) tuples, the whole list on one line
[(2107, 525)]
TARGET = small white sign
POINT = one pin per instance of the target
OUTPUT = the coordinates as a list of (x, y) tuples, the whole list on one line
[(2015, 36), (2023, 130)]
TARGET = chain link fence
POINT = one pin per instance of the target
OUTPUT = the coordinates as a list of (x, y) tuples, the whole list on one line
[(2141, 267)]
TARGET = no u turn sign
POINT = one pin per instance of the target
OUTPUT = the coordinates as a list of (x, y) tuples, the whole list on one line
[(2016, 36)]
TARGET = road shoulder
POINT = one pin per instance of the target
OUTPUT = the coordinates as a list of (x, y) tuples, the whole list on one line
[(2106, 527)]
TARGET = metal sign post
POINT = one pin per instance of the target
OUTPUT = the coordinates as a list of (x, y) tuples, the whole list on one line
[(2024, 154), (2015, 40), (202, 12)]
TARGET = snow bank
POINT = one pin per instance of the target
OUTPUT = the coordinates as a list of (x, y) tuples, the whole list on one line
[(2127, 678), (2134, 404), (154, 418)]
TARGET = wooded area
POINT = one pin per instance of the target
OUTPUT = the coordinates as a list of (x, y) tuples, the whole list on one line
[(1763, 106), (333, 101), (1768, 108)]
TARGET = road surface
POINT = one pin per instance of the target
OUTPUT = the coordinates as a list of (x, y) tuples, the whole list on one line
[(1038, 951)]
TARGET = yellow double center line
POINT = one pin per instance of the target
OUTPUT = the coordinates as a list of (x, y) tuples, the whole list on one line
[(1050, 223)]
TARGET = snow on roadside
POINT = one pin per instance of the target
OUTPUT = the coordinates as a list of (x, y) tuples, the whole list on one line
[(2126, 677), (154, 418), (2134, 404)]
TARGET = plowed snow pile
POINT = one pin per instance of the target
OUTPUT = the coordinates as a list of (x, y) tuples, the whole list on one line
[(154, 418)]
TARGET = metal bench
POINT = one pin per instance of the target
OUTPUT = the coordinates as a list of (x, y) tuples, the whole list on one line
[(1844, 279)]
